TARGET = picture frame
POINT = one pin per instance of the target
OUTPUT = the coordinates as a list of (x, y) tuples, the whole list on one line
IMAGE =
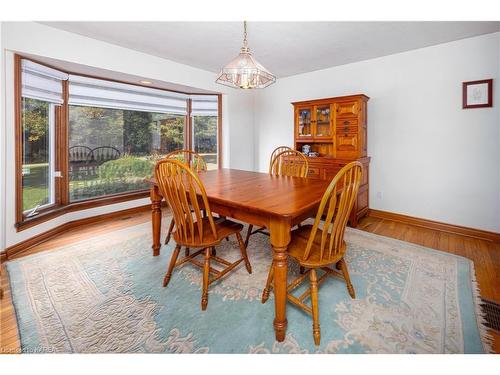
[(477, 94)]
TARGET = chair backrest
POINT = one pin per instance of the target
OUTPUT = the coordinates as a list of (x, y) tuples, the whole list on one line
[(79, 154), (185, 194), (335, 206), (289, 163), (191, 158), (276, 151), (103, 154)]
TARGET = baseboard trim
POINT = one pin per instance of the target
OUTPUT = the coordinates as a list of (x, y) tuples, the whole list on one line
[(33, 241), (436, 225)]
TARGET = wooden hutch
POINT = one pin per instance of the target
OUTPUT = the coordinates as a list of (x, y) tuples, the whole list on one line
[(335, 128)]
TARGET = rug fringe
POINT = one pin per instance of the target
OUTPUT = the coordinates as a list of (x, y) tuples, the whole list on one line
[(486, 337)]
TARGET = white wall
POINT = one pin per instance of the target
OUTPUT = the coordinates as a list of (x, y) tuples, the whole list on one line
[(430, 158), (36, 39)]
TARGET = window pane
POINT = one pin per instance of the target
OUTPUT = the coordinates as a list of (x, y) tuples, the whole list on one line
[(205, 139), (36, 160), (112, 150)]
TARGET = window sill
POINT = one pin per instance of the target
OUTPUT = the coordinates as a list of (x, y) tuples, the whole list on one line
[(51, 213)]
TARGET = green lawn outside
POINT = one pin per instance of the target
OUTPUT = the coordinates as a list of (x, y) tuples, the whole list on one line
[(35, 190), (33, 196)]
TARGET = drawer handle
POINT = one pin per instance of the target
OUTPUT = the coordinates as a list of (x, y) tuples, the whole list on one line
[(347, 122)]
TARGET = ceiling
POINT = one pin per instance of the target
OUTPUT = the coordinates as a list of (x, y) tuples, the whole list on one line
[(285, 48)]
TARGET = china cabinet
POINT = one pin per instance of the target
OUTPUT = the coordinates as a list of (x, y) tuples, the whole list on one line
[(335, 129)]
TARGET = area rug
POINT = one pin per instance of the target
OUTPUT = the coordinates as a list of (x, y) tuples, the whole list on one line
[(105, 295)]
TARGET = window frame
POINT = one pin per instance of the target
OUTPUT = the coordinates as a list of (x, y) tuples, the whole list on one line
[(217, 137), (53, 191), (62, 203)]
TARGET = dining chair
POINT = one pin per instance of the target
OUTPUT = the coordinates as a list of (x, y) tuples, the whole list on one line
[(195, 227), (276, 151), (317, 248), (289, 163), (196, 163), (284, 162)]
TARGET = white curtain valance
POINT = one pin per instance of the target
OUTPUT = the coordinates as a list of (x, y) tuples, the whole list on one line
[(41, 82), (87, 91), (204, 105)]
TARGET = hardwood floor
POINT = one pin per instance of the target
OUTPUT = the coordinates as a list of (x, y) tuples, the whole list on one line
[(484, 254)]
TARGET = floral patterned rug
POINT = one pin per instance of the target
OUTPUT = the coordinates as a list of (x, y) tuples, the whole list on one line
[(105, 295)]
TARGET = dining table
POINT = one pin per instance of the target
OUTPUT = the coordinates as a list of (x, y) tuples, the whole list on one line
[(277, 203)]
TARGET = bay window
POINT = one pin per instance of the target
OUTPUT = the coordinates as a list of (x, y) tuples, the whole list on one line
[(85, 140)]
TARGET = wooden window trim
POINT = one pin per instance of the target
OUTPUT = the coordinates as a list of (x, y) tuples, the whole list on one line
[(82, 205), (62, 204), (188, 140), (18, 138)]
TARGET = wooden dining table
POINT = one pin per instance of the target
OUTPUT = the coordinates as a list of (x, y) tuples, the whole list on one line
[(275, 202)]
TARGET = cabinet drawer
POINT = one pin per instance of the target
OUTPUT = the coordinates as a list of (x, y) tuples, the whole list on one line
[(347, 109), (347, 126), (347, 122), (314, 172)]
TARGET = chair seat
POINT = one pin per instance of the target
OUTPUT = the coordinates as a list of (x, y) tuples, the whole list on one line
[(298, 244), (224, 227)]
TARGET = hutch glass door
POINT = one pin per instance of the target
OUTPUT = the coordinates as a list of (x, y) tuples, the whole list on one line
[(304, 122), (323, 121)]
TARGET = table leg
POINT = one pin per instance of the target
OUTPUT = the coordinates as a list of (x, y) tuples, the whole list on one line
[(280, 238), (156, 218)]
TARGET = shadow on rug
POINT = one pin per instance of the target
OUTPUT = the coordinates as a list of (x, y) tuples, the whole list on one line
[(105, 294)]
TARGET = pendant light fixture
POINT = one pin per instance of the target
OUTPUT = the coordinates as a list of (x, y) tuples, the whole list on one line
[(244, 71)]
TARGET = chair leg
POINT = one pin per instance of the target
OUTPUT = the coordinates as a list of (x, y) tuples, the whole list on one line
[(170, 230), (171, 266), (206, 272), (269, 283), (243, 249), (249, 233), (314, 302), (343, 267), (214, 252), (186, 251)]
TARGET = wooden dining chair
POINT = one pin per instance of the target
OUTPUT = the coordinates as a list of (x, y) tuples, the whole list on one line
[(195, 227), (196, 163), (316, 248), (284, 162), (289, 163), (276, 151)]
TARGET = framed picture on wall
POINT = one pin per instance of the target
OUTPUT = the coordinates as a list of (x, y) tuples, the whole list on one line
[(477, 94)]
